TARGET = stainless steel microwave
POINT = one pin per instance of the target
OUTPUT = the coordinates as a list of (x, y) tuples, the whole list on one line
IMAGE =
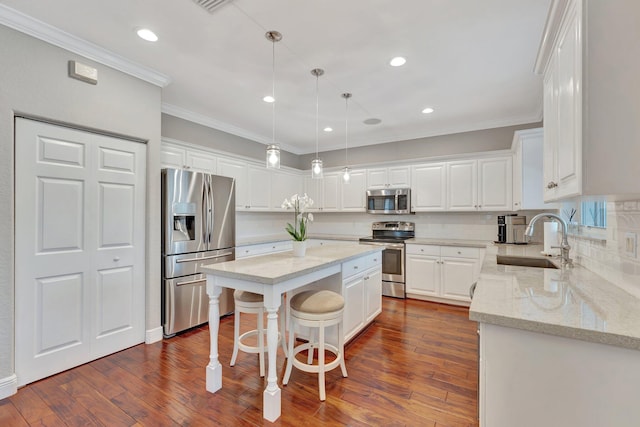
[(389, 201)]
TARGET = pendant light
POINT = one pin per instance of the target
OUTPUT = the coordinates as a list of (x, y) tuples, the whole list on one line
[(316, 164), (273, 149), (346, 171)]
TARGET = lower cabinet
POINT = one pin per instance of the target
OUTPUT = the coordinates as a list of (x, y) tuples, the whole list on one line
[(362, 292), (248, 251), (442, 273)]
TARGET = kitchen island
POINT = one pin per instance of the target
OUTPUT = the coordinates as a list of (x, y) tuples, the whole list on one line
[(558, 347), (338, 267)]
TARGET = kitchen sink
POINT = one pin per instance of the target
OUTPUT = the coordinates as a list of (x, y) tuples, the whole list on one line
[(525, 261)]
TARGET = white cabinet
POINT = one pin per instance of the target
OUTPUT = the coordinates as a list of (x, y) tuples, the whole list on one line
[(324, 192), (429, 191), (392, 177), (495, 184), (248, 251), (362, 292), (237, 170), (463, 190), (591, 99), (202, 162), (480, 185), (442, 273), (181, 158), (173, 157), (563, 111), (527, 171), (283, 185), (578, 383), (259, 188), (352, 195)]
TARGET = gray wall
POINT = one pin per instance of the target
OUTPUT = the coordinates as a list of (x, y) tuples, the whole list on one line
[(194, 133), (444, 145), (33, 81)]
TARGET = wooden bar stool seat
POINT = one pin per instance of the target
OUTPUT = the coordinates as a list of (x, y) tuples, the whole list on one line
[(316, 310), (252, 303)]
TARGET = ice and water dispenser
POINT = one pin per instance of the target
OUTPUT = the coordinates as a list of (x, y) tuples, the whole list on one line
[(184, 222)]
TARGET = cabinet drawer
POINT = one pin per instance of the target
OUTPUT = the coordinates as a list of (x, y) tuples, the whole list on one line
[(359, 265), (423, 250), (456, 251)]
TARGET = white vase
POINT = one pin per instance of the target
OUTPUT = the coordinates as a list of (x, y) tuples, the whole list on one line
[(299, 248)]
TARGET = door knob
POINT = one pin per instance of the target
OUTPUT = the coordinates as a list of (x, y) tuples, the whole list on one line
[(116, 259)]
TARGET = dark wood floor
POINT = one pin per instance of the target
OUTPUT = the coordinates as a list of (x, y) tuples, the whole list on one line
[(415, 366)]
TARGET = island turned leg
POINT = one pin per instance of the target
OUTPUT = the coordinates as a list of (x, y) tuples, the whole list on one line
[(214, 369), (271, 395)]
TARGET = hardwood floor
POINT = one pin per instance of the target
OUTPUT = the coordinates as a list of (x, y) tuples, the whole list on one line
[(415, 366)]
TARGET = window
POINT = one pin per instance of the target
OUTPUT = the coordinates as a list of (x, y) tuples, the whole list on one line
[(594, 214)]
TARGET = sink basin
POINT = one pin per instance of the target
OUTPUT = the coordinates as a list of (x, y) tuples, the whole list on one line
[(525, 261)]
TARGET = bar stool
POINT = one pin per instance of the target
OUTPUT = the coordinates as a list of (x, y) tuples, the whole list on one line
[(316, 309), (252, 303)]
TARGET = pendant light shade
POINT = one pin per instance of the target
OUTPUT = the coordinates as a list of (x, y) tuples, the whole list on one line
[(273, 150), (346, 171), (316, 164)]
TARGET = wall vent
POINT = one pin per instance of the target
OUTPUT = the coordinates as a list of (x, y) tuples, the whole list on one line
[(211, 5)]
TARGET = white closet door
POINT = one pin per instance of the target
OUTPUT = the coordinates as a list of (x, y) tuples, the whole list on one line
[(79, 278)]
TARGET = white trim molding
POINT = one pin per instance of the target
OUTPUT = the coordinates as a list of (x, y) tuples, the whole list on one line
[(8, 386), (55, 36), (550, 33), (153, 335)]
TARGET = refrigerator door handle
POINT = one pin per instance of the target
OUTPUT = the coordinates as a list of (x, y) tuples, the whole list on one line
[(222, 255), (205, 206), (210, 212)]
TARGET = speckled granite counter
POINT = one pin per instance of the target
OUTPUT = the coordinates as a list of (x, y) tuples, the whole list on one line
[(278, 267), (568, 302), (449, 242)]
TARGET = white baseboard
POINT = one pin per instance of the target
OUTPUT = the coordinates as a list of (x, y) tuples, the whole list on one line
[(8, 386), (153, 335)]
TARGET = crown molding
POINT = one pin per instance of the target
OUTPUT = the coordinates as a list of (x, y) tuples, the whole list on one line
[(40, 30), (201, 119), (550, 34)]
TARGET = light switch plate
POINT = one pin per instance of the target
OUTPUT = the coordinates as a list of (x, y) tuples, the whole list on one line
[(631, 245), (83, 72)]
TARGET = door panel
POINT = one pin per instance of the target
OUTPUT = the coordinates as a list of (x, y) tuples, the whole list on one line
[(79, 281)]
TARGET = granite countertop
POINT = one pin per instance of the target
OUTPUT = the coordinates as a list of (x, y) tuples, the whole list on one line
[(448, 242), (275, 268), (569, 302)]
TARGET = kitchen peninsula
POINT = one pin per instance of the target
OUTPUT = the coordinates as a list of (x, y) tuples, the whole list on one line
[(352, 270), (558, 347)]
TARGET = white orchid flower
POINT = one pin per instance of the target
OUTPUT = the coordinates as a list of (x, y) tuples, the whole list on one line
[(310, 217)]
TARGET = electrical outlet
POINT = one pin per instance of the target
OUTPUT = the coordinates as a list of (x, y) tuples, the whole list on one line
[(630, 245)]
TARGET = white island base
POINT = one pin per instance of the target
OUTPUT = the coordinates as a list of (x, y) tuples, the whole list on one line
[(276, 274)]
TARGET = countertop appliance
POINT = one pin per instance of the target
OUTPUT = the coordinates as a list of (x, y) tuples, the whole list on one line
[(198, 227), (391, 235), (389, 201), (511, 229), (516, 226)]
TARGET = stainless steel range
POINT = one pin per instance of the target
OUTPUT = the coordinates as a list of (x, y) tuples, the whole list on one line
[(391, 235)]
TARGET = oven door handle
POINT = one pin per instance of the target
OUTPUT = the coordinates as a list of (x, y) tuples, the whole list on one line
[(386, 245)]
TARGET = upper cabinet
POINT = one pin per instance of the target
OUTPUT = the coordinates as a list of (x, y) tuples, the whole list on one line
[(393, 177), (237, 170), (352, 194), (527, 171), (284, 184), (429, 191), (480, 185), (590, 63), (323, 192), (181, 158)]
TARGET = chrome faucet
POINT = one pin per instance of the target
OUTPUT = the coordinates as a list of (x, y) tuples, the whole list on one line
[(564, 246)]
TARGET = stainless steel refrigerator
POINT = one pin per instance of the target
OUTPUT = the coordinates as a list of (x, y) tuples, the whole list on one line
[(198, 227)]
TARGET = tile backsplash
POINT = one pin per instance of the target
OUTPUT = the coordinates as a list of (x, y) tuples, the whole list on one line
[(615, 258)]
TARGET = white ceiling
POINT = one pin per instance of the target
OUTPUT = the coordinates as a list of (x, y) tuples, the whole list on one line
[(471, 60)]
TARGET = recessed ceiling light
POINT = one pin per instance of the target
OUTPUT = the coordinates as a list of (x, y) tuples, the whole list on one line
[(147, 34), (328, 129), (269, 99), (398, 61), (372, 121), (427, 110)]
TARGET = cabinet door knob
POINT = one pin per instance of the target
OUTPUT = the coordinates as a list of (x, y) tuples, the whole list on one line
[(552, 185), (459, 252), (116, 259), (355, 267)]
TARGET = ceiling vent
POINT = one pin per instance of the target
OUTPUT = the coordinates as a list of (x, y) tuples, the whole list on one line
[(211, 5)]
